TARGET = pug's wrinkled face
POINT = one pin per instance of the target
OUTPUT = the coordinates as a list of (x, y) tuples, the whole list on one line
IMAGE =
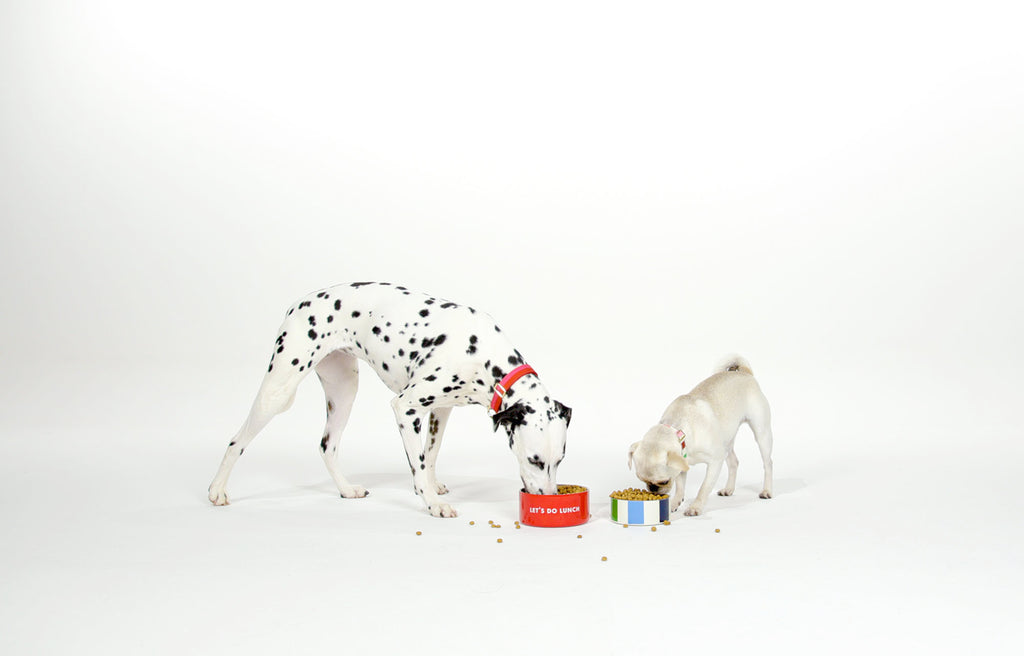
[(657, 459)]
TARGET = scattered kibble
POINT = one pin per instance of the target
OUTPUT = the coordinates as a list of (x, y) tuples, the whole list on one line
[(579, 536), (653, 529), (636, 494), (667, 523), (625, 526), (419, 532), (499, 540), (603, 558), (718, 530), (471, 523)]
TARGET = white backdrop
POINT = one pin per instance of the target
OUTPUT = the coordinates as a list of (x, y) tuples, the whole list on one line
[(633, 192)]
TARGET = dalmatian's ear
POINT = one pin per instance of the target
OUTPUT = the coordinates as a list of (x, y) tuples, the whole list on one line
[(564, 412), (511, 417), (632, 448)]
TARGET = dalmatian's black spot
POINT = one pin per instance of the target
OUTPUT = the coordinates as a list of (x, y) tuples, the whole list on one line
[(513, 360), (410, 411), (400, 288), (323, 442), (302, 368), (295, 362), (427, 342), (480, 382), (337, 305), (312, 320), (290, 312), (412, 341), (355, 314), (387, 338), (424, 312), (497, 330), (270, 368), (233, 443), (280, 348), (330, 318), (401, 353), (472, 339), (384, 366), (321, 294), (416, 424), (304, 304), (497, 372), (431, 377), (413, 354), (376, 330), (447, 389), (360, 284), (429, 301), (423, 466), (423, 457), (311, 333), (330, 407), (439, 340)]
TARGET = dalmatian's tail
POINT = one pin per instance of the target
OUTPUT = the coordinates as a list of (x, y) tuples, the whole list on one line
[(736, 363)]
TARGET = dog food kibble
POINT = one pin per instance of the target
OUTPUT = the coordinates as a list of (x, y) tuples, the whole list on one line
[(625, 526), (579, 536), (653, 529), (419, 532), (571, 489), (634, 494), (718, 530), (667, 523), (471, 523), (603, 558), (499, 540)]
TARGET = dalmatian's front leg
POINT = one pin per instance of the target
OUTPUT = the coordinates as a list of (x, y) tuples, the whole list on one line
[(414, 423), (438, 420)]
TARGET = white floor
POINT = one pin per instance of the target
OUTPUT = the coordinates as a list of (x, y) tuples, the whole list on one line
[(879, 538)]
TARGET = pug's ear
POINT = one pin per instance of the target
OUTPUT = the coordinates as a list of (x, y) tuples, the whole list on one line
[(511, 417), (564, 412), (677, 461), (632, 448)]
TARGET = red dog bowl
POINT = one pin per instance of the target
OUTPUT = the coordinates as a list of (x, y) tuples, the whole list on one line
[(552, 510)]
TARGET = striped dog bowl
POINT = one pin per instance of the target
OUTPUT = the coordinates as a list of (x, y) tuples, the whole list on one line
[(639, 512)]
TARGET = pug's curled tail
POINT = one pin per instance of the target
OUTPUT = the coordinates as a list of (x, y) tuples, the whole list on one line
[(736, 363)]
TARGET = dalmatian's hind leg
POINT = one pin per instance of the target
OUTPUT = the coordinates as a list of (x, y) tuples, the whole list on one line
[(339, 375), (276, 394)]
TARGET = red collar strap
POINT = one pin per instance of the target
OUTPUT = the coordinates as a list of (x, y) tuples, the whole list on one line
[(501, 388)]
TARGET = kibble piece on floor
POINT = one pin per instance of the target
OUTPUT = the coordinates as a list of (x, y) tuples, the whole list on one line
[(667, 523), (579, 536), (604, 557), (718, 530), (653, 529), (499, 540), (471, 523), (625, 526), (419, 532)]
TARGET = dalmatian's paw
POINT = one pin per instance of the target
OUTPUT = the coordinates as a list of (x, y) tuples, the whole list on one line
[(218, 497), (441, 488), (354, 492), (693, 511), (442, 510)]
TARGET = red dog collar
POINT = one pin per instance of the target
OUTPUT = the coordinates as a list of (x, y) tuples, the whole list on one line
[(501, 388)]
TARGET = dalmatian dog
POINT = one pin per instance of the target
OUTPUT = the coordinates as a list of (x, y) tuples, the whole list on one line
[(700, 428), (434, 355)]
